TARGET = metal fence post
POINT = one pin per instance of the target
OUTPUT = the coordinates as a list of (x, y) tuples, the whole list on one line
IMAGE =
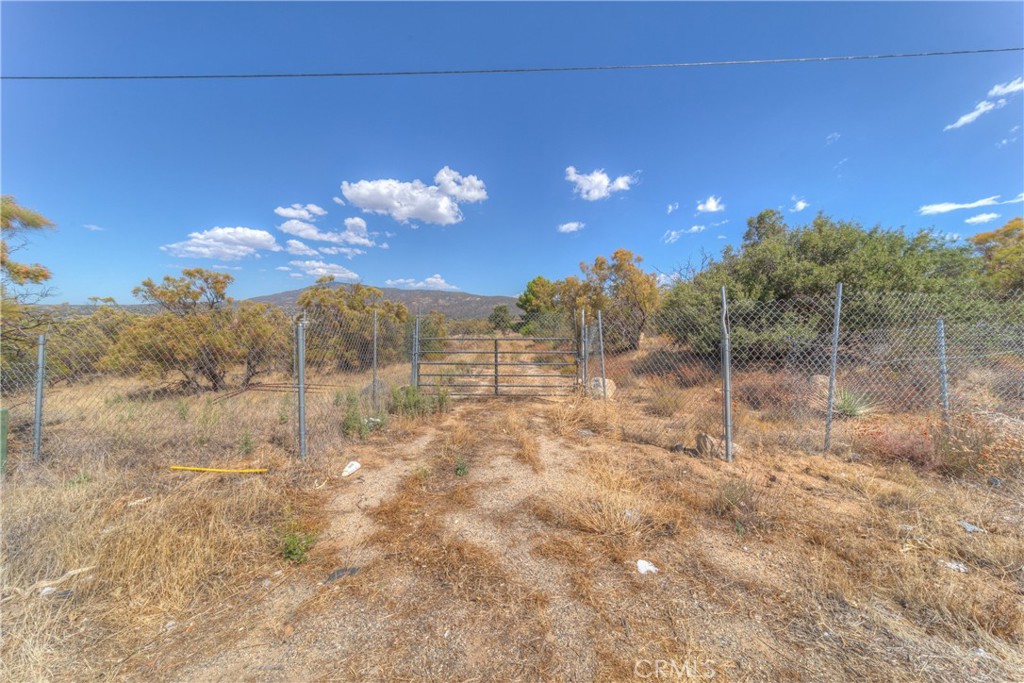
[(600, 342), (300, 343), (583, 345), (726, 378), (832, 367), (940, 333), (37, 422), (416, 353), (495, 366), (373, 387)]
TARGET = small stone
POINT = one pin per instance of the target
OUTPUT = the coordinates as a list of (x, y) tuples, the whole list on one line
[(48, 590), (956, 566), (350, 468), (970, 528), (585, 432), (995, 482), (599, 388), (342, 572), (645, 567)]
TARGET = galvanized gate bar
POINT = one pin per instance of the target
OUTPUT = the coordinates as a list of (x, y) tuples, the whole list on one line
[(512, 339), (508, 373), (504, 363)]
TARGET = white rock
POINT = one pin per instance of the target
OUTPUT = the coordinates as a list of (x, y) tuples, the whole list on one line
[(645, 567), (350, 468), (597, 388)]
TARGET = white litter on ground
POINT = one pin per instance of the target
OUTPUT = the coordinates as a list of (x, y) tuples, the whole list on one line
[(350, 468), (645, 567)]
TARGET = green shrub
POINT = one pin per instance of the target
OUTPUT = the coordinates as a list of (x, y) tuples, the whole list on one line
[(354, 424), (295, 546)]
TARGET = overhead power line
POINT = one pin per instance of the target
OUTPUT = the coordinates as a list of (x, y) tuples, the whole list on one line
[(523, 70)]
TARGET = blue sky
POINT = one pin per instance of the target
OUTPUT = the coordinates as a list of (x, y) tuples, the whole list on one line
[(466, 179)]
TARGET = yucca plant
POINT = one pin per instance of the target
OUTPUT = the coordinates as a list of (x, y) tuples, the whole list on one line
[(851, 404)]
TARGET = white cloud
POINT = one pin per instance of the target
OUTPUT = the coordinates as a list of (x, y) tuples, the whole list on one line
[(674, 206), (356, 233), (338, 200), (301, 212), (832, 137), (347, 252), (720, 223), (223, 244), (981, 218), (572, 226), (459, 188), (1016, 200), (283, 268), (946, 207), (980, 108), (799, 204), (597, 184), (999, 90), (92, 228), (299, 249), (1003, 89), (321, 268), (672, 236), (296, 275), (405, 201), (220, 267), (308, 231), (433, 282), (722, 237), (668, 280), (712, 204)]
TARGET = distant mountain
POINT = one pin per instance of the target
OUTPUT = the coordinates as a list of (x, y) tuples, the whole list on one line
[(456, 305)]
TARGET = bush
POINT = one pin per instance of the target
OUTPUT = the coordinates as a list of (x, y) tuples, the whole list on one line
[(295, 546), (354, 424), (914, 447)]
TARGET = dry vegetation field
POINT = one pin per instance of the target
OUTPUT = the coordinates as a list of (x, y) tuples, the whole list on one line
[(498, 541)]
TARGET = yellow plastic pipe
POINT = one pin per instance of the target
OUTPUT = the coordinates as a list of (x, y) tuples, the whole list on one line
[(214, 469)]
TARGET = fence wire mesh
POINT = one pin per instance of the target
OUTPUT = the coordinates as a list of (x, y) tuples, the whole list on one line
[(225, 380)]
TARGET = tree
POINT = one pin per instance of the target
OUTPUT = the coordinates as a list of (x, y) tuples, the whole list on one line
[(626, 295), (500, 319), (341, 327), (538, 297), (1002, 251), (195, 335), (20, 284), (777, 262), (197, 290), (15, 221)]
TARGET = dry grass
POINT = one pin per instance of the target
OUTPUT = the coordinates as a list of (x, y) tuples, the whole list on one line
[(526, 448), (155, 546), (521, 565)]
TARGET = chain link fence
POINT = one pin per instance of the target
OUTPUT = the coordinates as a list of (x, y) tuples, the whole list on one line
[(228, 381), (871, 352)]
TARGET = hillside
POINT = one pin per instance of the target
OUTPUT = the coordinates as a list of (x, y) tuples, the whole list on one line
[(458, 305), (455, 305)]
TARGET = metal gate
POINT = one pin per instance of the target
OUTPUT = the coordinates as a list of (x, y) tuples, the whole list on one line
[(496, 366)]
